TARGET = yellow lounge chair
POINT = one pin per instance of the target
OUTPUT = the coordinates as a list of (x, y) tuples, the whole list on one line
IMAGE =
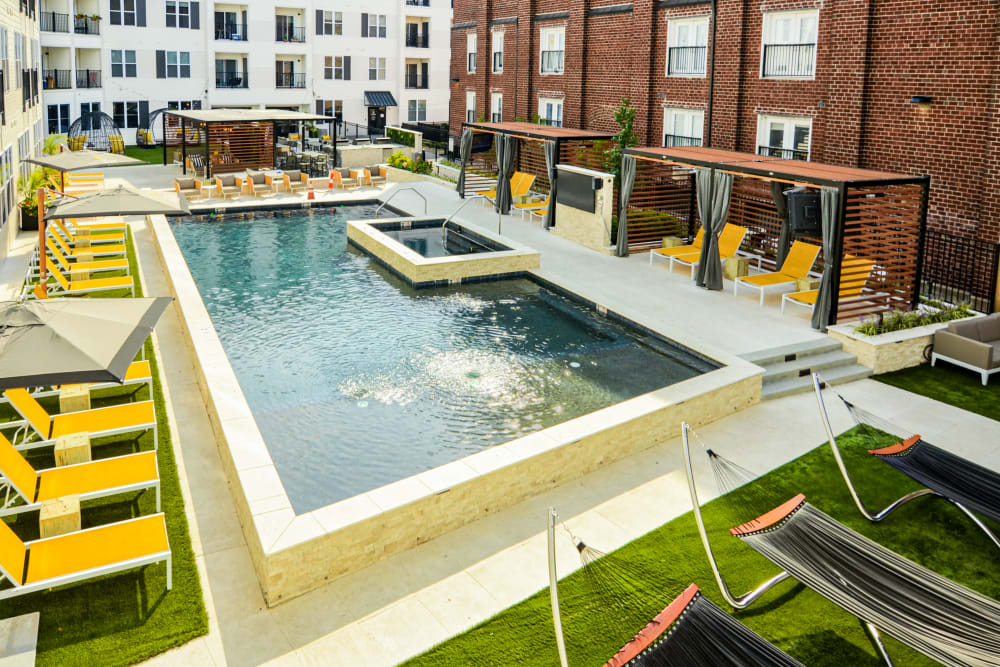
[(56, 226), (531, 207), (520, 184), (90, 480), (667, 253), (729, 243), (854, 274), (84, 554), (138, 372), (76, 226), (99, 422), (102, 250), (798, 263), (96, 266), (62, 287)]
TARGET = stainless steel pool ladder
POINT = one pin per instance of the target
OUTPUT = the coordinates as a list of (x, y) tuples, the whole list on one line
[(456, 211), (414, 190)]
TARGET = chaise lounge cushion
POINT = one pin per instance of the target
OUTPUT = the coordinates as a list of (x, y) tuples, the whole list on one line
[(974, 341)]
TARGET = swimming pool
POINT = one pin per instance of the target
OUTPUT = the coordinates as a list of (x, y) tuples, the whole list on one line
[(356, 379)]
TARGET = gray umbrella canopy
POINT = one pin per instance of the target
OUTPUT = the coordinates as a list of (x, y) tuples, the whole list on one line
[(118, 200), (67, 341), (84, 159)]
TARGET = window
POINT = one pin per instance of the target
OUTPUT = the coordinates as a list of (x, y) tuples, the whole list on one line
[(373, 25), (178, 14), (682, 127), (376, 69), (496, 107), (470, 106), (18, 56), (338, 109), (687, 46), (416, 111), (123, 12), (332, 23), (553, 41), (331, 108), (470, 50), (88, 108), (789, 48), (784, 136), (6, 183), (178, 65), (184, 105), (497, 52), (123, 64), (58, 118), (126, 114), (24, 152), (550, 111), (338, 67), (5, 57)]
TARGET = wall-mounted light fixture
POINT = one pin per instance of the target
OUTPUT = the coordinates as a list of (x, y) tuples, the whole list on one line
[(923, 102)]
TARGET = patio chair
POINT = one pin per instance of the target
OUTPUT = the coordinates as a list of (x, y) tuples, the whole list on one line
[(341, 178), (57, 225), (227, 186), (77, 227), (97, 266), (730, 241), (196, 163), (520, 184), (187, 187), (63, 287), (376, 176), (80, 183), (104, 250), (533, 206), (90, 480), (98, 422), (295, 181), (254, 184), (320, 166), (854, 274), (85, 554), (797, 265), (667, 253)]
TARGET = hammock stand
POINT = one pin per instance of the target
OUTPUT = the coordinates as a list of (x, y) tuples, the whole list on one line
[(935, 487), (938, 636)]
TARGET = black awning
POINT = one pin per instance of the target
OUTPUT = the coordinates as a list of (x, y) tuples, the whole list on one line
[(379, 98)]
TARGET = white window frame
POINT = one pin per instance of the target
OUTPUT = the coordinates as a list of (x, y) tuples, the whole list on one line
[(126, 60), (62, 121), (376, 27), (470, 106), (496, 107), (129, 109), (376, 69), (181, 60), (471, 44), (769, 37), (556, 104), (691, 121), (128, 16), (552, 37), (178, 16), (764, 122), (679, 35), (416, 111), (497, 44)]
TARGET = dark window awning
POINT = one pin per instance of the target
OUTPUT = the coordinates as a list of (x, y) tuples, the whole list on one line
[(379, 98)]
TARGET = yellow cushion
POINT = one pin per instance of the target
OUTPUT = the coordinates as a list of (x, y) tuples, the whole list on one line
[(17, 471), (12, 552), (97, 475), (677, 250), (800, 259), (808, 297), (100, 283), (31, 410), (112, 418), (767, 279)]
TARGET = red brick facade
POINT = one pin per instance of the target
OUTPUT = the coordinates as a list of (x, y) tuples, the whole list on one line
[(872, 57)]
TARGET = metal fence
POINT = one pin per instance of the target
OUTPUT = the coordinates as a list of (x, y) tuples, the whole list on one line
[(53, 22), (796, 60), (960, 269)]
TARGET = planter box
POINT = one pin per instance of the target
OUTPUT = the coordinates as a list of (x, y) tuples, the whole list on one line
[(887, 352)]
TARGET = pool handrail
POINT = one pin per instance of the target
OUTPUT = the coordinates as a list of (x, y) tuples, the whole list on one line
[(444, 224), (396, 192)]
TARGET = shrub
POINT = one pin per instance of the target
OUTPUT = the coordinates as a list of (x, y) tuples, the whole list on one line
[(417, 166), (400, 136), (897, 320)]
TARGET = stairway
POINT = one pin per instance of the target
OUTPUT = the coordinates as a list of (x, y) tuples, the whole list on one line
[(788, 369), (475, 183)]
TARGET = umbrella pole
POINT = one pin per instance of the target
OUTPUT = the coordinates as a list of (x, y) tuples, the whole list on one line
[(41, 240)]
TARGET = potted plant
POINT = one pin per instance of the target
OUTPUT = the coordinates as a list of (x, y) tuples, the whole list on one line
[(28, 206), (80, 17), (95, 17)]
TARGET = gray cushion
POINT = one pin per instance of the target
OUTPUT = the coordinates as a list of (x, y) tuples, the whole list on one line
[(989, 328), (965, 328), (228, 180), (345, 173), (294, 174), (186, 184)]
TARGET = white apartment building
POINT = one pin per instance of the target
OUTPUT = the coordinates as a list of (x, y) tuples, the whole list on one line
[(21, 126), (373, 63)]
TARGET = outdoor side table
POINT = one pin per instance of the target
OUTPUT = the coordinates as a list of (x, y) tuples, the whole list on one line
[(74, 397), (71, 449), (806, 284), (672, 241), (737, 266), (59, 516)]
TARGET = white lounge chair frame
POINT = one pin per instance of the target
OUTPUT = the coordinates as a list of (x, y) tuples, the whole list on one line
[(21, 436)]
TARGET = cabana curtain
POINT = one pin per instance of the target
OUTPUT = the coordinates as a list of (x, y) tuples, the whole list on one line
[(465, 151), (550, 165), (781, 204), (824, 300), (505, 167), (628, 179), (713, 188)]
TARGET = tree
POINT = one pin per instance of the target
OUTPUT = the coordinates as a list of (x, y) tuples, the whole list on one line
[(625, 118)]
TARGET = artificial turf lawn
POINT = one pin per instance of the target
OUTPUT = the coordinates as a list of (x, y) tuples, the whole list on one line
[(658, 566), (949, 384), (151, 155), (123, 618)]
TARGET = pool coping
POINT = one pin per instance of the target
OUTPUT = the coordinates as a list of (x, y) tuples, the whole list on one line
[(293, 554)]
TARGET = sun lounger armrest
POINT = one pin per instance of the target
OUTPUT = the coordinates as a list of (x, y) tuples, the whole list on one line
[(960, 348)]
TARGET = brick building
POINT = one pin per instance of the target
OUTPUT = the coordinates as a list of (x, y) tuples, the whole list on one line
[(899, 85)]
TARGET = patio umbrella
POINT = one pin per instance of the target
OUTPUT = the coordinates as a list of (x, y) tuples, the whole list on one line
[(82, 159), (119, 200), (66, 341)]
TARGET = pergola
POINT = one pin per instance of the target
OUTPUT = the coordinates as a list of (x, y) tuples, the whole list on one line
[(540, 149), (232, 139), (878, 217)]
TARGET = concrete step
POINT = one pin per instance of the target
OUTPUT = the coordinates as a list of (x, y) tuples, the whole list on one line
[(796, 385), (805, 365), (791, 352)]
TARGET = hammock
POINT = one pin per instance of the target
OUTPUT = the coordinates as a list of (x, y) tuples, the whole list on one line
[(933, 615), (693, 632)]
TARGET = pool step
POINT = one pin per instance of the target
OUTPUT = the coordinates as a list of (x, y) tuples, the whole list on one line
[(788, 369)]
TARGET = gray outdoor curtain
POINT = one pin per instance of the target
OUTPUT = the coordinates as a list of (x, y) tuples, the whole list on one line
[(829, 208), (505, 167), (781, 204), (628, 180), (465, 151), (713, 188), (550, 165)]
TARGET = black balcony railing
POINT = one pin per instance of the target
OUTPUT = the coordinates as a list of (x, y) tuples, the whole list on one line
[(289, 34), (552, 62), (498, 61), (416, 82), (496, 117), (793, 60), (86, 26), (88, 78), (3, 101), (686, 60), (960, 269), (678, 140), (236, 32), (417, 41), (283, 80), (236, 80), (418, 3), (783, 153), (57, 79), (53, 22)]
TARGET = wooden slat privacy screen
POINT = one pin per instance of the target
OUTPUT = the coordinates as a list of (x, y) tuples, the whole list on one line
[(661, 204), (240, 146)]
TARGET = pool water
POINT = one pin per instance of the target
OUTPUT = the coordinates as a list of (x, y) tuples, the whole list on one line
[(430, 242), (356, 379)]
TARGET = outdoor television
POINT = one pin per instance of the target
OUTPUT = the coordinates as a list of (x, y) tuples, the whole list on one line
[(804, 211)]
